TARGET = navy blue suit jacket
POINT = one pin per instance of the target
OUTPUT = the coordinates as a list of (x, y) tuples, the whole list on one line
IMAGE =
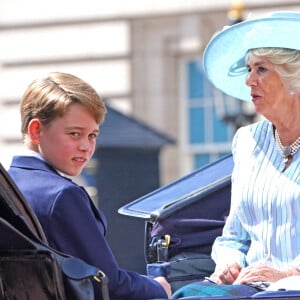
[(74, 225)]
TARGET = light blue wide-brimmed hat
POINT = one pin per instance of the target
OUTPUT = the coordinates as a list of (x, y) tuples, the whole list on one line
[(224, 56)]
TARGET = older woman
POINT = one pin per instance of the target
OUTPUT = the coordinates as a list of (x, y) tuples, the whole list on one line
[(261, 235), (259, 61)]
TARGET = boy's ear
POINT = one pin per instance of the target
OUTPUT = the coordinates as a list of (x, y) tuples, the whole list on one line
[(34, 129)]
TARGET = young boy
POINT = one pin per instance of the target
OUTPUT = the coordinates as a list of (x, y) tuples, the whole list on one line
[(60, 117)]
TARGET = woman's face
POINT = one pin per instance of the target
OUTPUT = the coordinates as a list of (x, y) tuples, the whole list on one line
[(68, 142), (269, 93)]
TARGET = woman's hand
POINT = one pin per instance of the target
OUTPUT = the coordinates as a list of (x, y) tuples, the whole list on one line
[(261, 272), (235, 274), (228, 275)]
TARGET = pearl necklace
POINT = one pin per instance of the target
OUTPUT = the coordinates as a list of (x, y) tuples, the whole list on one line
[(287, 151)]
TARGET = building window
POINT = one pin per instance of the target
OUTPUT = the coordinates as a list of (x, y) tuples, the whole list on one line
[(209, 138)]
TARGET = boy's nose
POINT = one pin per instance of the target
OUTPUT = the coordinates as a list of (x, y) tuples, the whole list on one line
[(84, 145)]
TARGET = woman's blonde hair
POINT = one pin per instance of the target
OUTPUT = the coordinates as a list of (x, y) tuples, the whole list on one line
[(286, 62), (48, 98)]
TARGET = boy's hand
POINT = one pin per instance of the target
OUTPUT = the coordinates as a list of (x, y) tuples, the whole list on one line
[(165, 284)]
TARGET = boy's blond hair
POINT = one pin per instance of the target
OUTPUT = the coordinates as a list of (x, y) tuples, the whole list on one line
[(47, 98)]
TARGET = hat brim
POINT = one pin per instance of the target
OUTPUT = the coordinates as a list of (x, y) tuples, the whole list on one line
[(224, 56)]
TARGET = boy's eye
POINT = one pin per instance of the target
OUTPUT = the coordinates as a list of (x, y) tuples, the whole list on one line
[(74, 133), (93, 135)]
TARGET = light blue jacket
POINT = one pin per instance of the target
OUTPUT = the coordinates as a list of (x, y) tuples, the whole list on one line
[(264, 220)]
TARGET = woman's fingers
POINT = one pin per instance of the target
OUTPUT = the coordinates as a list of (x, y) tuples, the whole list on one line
[(229, 274)]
